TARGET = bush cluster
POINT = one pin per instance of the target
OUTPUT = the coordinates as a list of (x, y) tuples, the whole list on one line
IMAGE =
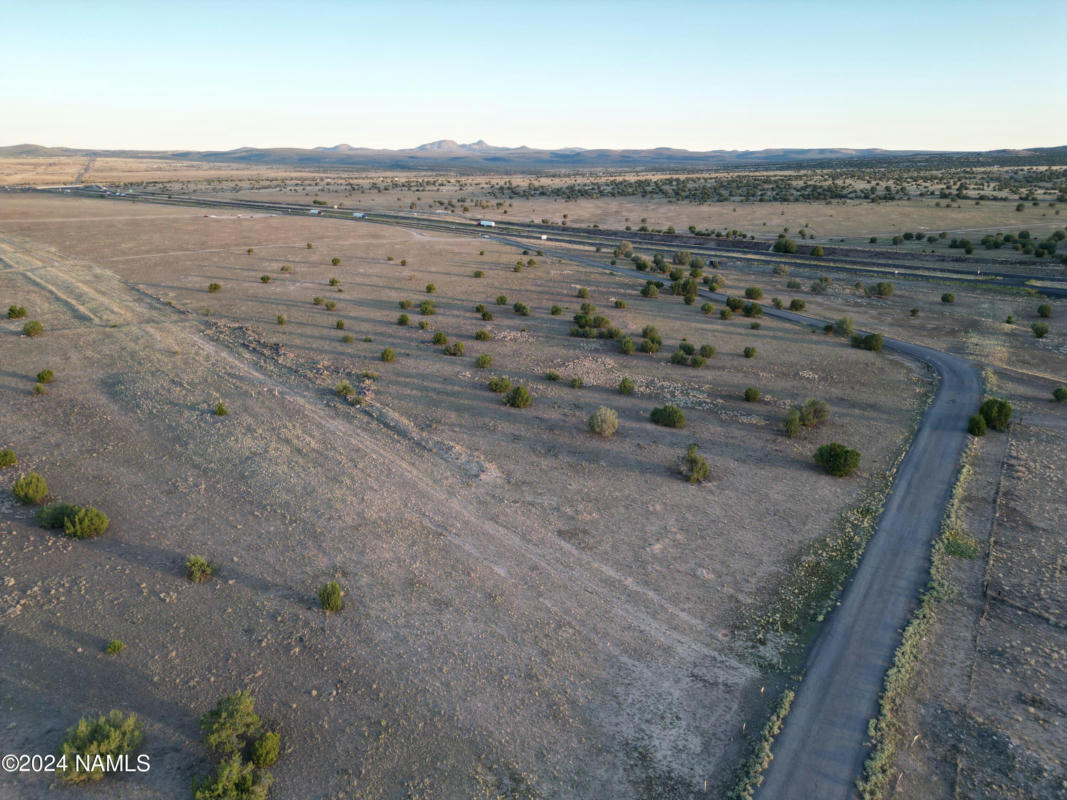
[(427, 308), (16, 312), (32, 328), (454, 349), (114, 734), (499, 384), (9, 459), (669, 416), (809, 415), (518, 397), (870, 341), (996, 412), (235, 732), (839, 460)]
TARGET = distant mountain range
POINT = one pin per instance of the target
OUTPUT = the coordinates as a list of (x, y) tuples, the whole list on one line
[(446, 154)]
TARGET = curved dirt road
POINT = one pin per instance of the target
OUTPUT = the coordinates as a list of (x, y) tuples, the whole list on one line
[(820, 752)]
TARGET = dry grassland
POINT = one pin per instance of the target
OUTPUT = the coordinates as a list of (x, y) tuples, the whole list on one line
[(528, 606)]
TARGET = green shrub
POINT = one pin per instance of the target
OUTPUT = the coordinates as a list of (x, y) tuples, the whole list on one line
[(499, 384), (281, 319), (16, 312), (751, 394), (796, 304), (707, 308), (754, 326), (838, 460), (9, 459), (577, 382), (650, 290), (694, 466), (32, 328), (430, 288), (335, 261), (232, 724), (552, 375), (263, 752), (330, 305), (781, 269), (556, 311), (1059, 394), (479, 273), (482, 335), (735, 303), (113, 735), (794, 284), (1044, 310), (626, 345), (427, 308), (454, 349), (583, 292), (331, 598), (335, 282), (844, 326), (220, 410), (318, 301), (997, 413), (198, 569), (679, 357), (521, 309), (213, 287), (725, 313), (753, 293), (38, 388), (54, 515), (604, 422), (976, 425), (753, 310), (813, 412), (881, 289), (345, 389), (502, 300), (286, 268), (406, 305), (265, 278), (791, 423), (86, 523), (948, 297), (626, 386), (440, 338), (487, 316), (519, 397), (340, 324), (403, 319), (114, 647), (776, 302), (669, 416), (650, 346), (1040, 329), (750, 352), (620, 304), (870, 341), (484, 361), (388, 354), (30, 489)]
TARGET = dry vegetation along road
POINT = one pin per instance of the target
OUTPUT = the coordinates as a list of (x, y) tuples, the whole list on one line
[(823, 745)]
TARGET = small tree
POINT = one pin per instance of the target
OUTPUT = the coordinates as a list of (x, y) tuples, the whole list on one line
[(604, 422), (115, 734), (1044, 310), (844, 326), (1059, 394), (839, 460), (403, 319), (1040, 329), (626, 386), (976, 425), (86, 523), (816, 251)]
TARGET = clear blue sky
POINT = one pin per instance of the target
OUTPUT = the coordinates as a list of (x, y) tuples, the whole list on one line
[(745, 75)]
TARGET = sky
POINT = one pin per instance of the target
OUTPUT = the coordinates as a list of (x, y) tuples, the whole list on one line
[(697, 75)]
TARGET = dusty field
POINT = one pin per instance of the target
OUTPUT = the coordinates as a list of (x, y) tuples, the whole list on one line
[(527, 605), (988, 718)]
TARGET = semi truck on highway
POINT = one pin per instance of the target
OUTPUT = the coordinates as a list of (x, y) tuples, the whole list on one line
[(486, 223)]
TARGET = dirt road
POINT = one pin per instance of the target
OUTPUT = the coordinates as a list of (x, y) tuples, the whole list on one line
[(820, 752)]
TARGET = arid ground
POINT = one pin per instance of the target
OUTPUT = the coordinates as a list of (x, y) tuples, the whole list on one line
[(530, 610)]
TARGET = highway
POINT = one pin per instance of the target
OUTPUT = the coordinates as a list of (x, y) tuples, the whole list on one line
[(871, 265)]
